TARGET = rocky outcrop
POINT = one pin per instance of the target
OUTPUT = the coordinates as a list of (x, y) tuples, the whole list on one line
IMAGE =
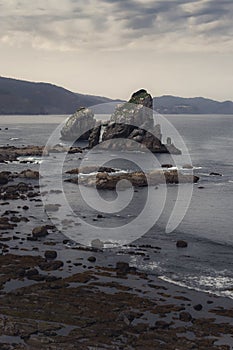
[(12, 153), (133, 121), (79, 125), (108, 181), (91, 169), (94, 137), (137, 113)]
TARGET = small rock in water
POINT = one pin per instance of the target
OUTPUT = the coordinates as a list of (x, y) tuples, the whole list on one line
[(166, 165), (198, 307), (215, 174), (185, 317), (92, 259), (181, 244), (122, 267), (40, 231), (50, 254)]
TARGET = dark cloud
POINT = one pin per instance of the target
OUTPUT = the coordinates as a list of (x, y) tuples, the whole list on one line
[(112, 23)]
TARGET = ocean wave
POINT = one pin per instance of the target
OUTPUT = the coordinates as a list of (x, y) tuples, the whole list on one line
[(219, 286)]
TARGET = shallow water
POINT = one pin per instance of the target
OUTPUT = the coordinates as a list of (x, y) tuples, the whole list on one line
[(207, 262)]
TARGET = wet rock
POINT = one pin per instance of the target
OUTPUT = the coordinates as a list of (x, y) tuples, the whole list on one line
[(136, 179), (29, 174), (215, 174), (198, 307), (31, 272), (5, 225), (25, 207), (100, 216), (50, 254), (91, 169), (94, 136), (122, 267), (162, 324), (166, 166), (79, 125), (185, 316), (91, 259), (181, 244), (40, 231), (51, 265), (3, 179)]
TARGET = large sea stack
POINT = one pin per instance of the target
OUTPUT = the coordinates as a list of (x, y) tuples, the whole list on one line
[(134, 121), (79, 125)]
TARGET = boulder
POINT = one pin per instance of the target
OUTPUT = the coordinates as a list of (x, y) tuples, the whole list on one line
[(3, 179), (29, 174), (104, 180), (40, 231), (79, 126), (181, 244), (50, 254)]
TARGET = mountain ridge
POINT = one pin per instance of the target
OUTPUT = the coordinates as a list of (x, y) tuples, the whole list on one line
[(35, 98)]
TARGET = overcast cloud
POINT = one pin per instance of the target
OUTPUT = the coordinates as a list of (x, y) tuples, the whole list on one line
[(109, 24), (128, 28)]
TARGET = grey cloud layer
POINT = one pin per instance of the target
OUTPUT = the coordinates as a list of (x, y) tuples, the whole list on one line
[(109, 24)]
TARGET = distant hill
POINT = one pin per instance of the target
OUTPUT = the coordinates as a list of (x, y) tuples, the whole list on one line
[(23, 97), (196, 105)]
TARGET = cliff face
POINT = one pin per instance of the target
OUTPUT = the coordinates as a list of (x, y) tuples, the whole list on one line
[(23, 97)]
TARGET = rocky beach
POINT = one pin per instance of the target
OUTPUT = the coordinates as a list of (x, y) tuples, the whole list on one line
[(58, 294)]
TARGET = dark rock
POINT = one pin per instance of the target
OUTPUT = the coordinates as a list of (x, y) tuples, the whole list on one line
[(29, 174), (215, 174), (94, 136), (166, 166), (92, 259), (51, 265), (181, 244), (3, 180), (40, 231), (25, 207), (50, 254), (162, 324), (185, 317), (79, 125), (122, 267), (100, 216), (31, 272), (198, 307)]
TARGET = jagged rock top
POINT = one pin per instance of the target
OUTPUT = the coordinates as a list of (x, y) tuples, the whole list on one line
[(137, 111), (142, 97)]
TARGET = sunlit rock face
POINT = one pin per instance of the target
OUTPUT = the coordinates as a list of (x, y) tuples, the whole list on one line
[(79, 125)]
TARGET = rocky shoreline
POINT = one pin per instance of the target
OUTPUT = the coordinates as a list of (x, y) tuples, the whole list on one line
[(58, 296)]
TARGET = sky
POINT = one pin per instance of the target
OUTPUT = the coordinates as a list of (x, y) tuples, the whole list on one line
[(114, 47)]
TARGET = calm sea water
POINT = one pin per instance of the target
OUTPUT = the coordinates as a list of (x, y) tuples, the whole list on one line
[(207, 263)]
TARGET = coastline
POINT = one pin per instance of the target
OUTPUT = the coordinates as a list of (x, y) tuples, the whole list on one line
[(106, 307)]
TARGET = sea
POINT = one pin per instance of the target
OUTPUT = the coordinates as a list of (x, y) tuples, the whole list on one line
[(207, 225)]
